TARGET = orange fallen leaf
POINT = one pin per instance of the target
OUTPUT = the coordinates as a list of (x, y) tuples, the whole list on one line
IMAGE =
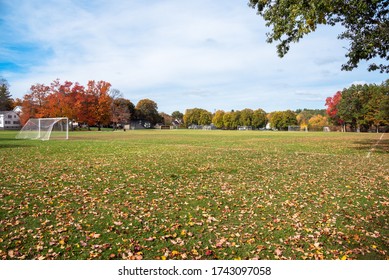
[(278, 252)]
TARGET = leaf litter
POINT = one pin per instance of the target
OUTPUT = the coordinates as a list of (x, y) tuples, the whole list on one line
[(240, 196)]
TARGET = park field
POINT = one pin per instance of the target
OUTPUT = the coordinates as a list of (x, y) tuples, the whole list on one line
[(182, 194)]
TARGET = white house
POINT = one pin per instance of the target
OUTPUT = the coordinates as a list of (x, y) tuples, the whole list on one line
[(9, 120)]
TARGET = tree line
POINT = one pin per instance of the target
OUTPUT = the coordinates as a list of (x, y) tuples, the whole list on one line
[(281, 120), (360, 107), (96, 104)]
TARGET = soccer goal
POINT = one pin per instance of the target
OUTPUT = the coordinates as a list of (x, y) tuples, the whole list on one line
[(45, 129)]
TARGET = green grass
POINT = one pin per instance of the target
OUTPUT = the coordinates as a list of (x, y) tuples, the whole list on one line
[(195, 195)]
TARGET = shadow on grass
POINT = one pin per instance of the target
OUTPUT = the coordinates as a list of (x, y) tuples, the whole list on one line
[(379, 146), (12, 143), (12, 146)]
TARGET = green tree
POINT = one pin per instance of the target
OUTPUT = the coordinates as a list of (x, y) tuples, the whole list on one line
[(362, 106), (366, 25), (259, 118), (275, 119), (192, 116), (205, 118), (5, 96), (282, 119), (197, 116), (246, 117), (235, 119), (148, 110), (382, 116), (177, 115)]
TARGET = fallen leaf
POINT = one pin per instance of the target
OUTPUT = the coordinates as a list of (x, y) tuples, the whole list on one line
[(278, 252)]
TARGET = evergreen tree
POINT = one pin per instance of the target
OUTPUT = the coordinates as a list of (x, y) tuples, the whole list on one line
[(5, 96)]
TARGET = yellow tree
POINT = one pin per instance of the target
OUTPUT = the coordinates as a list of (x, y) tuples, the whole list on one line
[(317, 122), (217, 119)]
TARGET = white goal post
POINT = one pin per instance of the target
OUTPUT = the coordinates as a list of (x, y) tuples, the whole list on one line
[(45, 129)]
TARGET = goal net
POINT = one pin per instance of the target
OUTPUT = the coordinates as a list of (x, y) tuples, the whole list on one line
[(45, 129)]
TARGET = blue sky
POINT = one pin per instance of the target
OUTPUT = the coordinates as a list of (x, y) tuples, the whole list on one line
[(181, 54)]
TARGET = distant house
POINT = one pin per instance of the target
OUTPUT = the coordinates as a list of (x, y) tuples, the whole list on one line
[(140, 124), (18, 110), (9, 120), (176, 123)]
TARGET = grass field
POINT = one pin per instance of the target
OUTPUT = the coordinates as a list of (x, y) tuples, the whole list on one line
[(195, 195)]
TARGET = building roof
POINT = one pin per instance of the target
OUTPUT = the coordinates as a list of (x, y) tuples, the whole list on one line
[(6, 112)]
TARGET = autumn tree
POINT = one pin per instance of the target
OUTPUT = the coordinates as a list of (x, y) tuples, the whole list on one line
[(365, 23), (17, 102), (217, 119), (303, 118), (34, 103), (122, 111), (98, 93), (6, 103), (304, 115), (317, 122), (332, 108), (85, 104), (62, 99), (166, 118)]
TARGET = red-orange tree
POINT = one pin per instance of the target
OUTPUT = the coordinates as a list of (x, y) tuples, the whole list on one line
[(91, 105), (332, 108), (34, 103), (100, 108)]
